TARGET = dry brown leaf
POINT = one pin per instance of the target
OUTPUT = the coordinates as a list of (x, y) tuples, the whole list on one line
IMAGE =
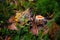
[(53, 29), (12, 26), (11, 19), (7, 38)]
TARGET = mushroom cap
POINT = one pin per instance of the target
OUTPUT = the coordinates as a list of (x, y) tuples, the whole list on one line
[(39, 17)]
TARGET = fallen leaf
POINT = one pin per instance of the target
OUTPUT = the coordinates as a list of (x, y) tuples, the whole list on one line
[(12, 26)]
